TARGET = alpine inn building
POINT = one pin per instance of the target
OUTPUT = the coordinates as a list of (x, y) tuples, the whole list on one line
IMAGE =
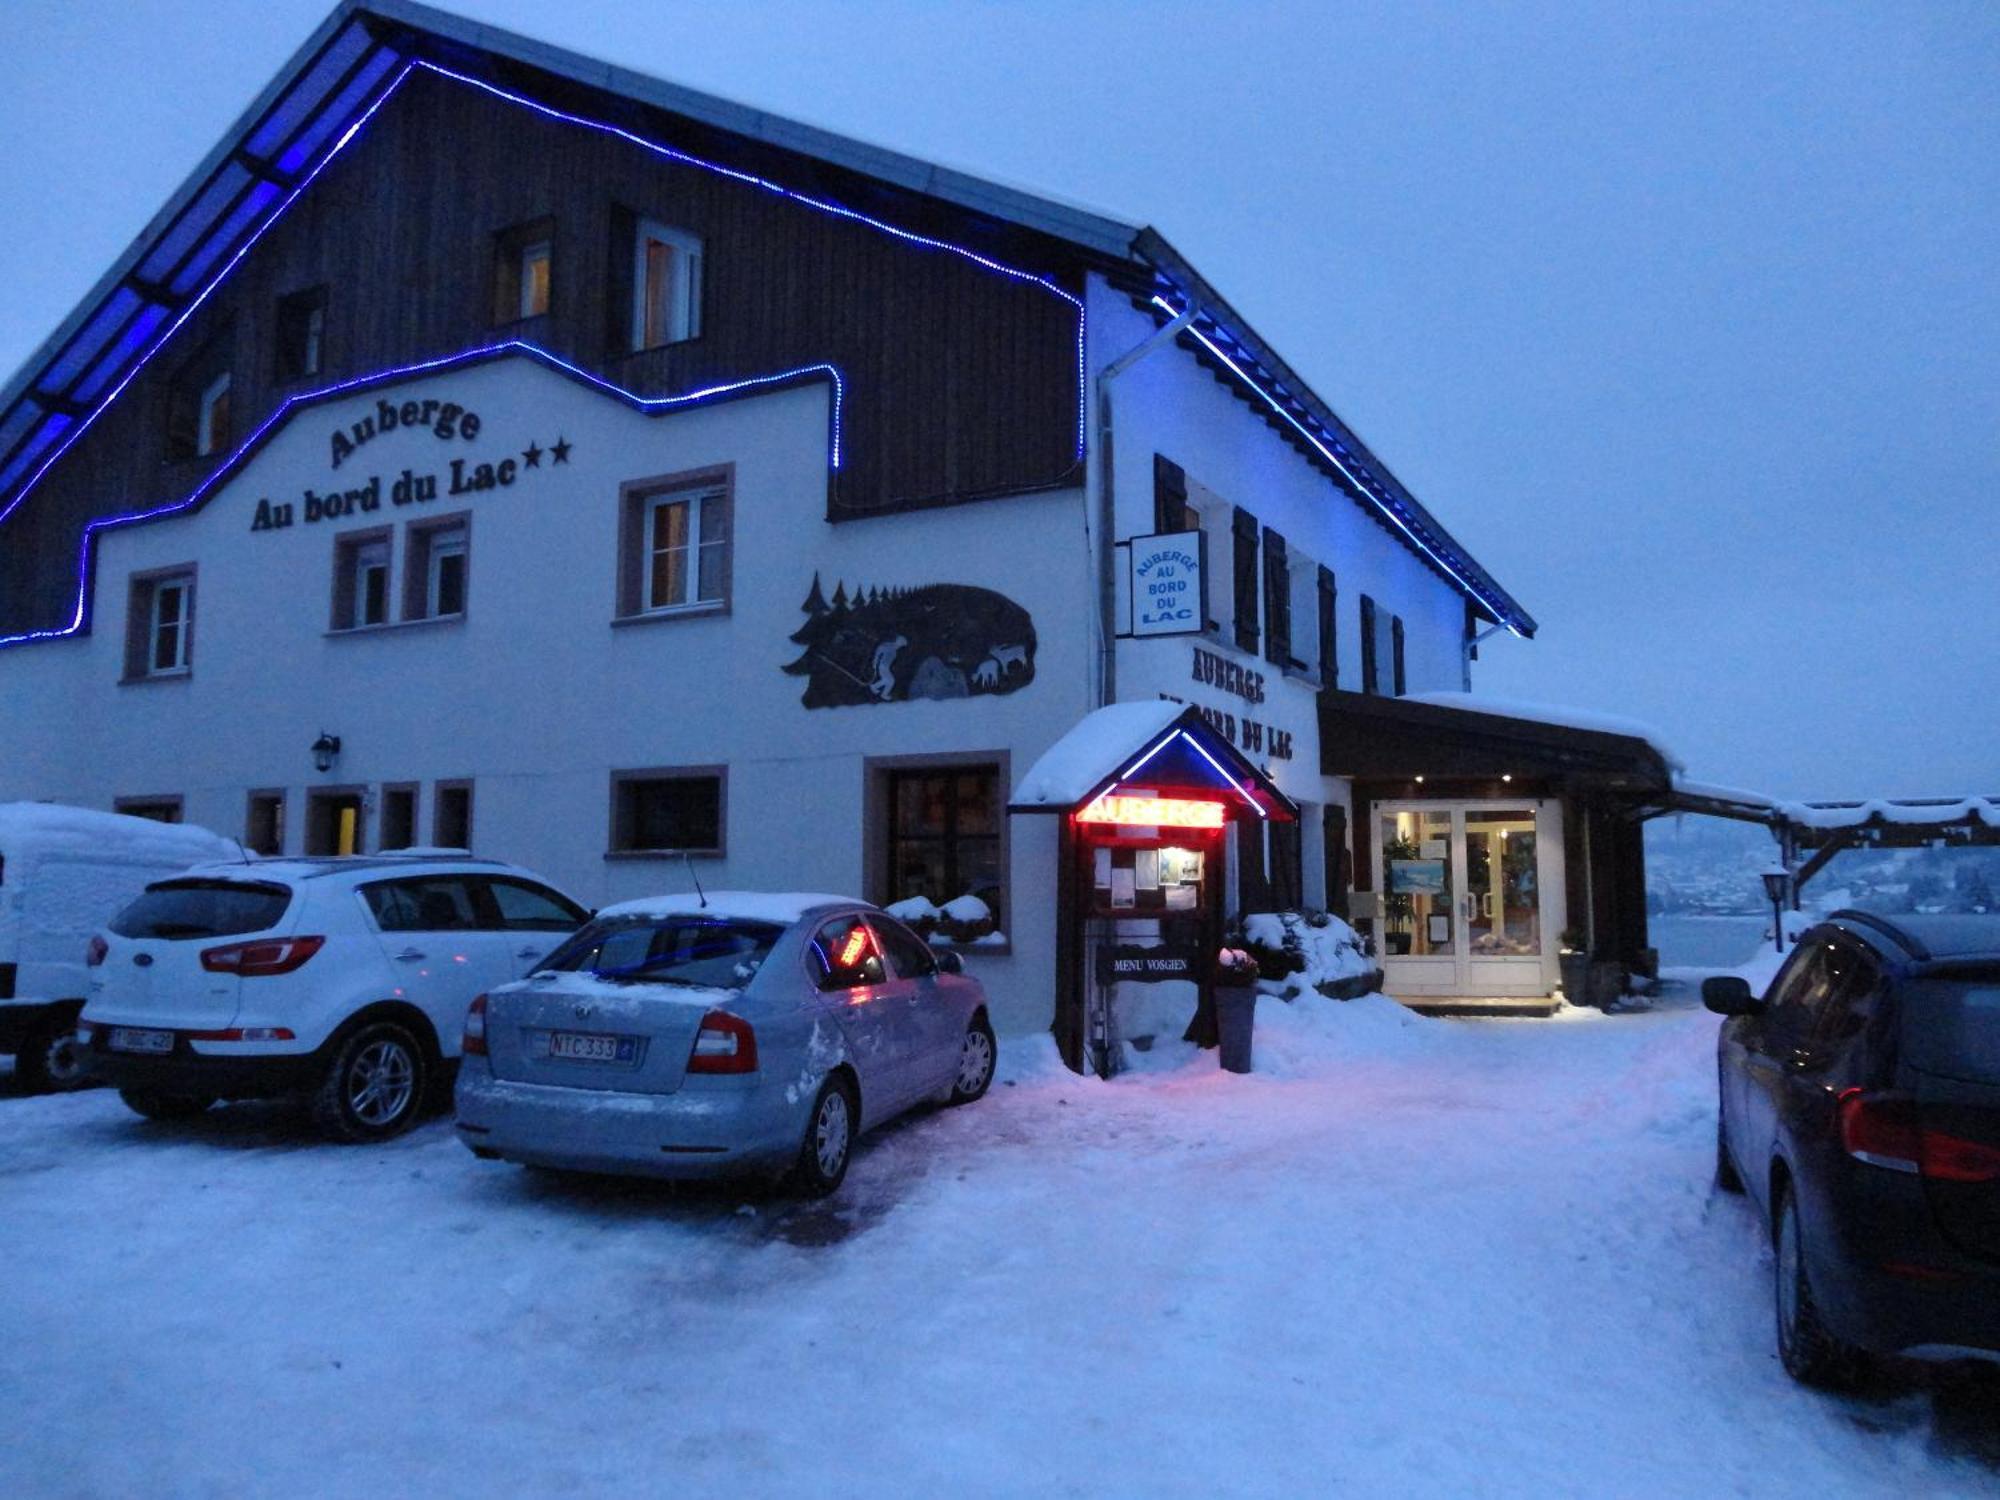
[(488, 447)]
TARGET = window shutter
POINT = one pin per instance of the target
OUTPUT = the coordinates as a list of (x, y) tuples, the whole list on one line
[(1287, 867), (1333, 835), (1329, 630), (1253, 884), (1244, 530), (1277, 600), (1169, 495), (1370, 682), (1396, 645)]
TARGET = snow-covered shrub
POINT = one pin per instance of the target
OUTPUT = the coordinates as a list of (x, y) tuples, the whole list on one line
[(1323, 952), (966, 919), (916, 913)]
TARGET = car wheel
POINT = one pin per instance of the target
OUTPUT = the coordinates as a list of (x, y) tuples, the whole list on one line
[(164, 1106), (1812, 1354), (375, 1086), (977, 1054), (829, 1141), (1727, 1178), (49, 1060)]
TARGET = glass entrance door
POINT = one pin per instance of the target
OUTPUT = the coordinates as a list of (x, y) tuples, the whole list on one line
[(1463, 887)]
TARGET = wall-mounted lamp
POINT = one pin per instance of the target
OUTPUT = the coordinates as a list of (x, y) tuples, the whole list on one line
[(325, 751)]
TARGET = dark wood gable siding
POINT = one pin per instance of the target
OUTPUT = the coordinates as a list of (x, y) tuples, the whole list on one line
[(960, 382)]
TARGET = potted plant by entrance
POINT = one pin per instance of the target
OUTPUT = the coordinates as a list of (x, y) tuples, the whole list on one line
[(1235, 1006), (1575, 964)]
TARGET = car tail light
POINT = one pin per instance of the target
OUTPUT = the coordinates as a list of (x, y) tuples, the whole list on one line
[(262, 958), (94, 954), (243, 1034), (1884, 1131), (725, 1044), (475, 1029)]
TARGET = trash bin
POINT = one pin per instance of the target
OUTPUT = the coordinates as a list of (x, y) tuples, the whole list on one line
[(1236, 1019)]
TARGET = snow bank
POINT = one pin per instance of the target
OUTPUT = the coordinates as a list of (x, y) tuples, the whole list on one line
[(1312, 1035), (82, 830)]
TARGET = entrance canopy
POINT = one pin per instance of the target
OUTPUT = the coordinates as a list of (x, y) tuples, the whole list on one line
[(1160, 753)]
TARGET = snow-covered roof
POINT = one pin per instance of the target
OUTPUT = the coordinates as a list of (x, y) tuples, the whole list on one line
[(1904, 811), (50, 825), (1098, 744), (1549, 713), (751, 906)]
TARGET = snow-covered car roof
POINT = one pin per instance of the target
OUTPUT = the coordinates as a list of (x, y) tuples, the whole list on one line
[(751, 906), (50, 825), (318, 867)]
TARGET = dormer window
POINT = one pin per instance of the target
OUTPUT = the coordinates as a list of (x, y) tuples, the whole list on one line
[(198, 405), (523, 268), (666, 286)]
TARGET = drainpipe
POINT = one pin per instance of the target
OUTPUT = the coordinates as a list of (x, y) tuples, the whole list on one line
[(1469, 645), (1106, 684)]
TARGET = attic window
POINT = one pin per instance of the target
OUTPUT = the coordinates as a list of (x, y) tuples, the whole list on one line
[(523, 268), (666, 286), (198, 404)]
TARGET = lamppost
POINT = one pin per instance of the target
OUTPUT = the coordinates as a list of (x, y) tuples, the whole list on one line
[(1777, 885)]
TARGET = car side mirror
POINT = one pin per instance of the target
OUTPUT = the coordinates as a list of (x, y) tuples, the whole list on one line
[(949, 962), (1729, 995)]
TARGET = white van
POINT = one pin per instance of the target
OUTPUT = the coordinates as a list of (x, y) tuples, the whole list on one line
[(64, 873)]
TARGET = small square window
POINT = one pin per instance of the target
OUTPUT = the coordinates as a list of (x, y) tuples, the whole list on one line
[(666, 286), (361, 579), (159, 625), (155, 809), (523, 264), (437, 559), (302, 334), (264, 824), (399, 817), (668, 811), (451, 820)]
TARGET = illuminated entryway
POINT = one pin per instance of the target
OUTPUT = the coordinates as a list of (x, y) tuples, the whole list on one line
[(1469, 891)]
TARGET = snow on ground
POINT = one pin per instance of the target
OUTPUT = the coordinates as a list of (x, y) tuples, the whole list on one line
[(1409, 1258)]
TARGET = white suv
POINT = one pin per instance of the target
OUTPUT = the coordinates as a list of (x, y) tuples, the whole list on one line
[(344, 981)]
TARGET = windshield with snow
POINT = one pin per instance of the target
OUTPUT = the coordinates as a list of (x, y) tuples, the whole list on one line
[(711, 952), (202, 909)]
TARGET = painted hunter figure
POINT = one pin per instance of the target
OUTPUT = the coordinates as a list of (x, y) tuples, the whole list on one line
[(944, 640)]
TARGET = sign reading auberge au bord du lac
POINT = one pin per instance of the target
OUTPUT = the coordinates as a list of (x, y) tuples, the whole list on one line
[(447, 422)]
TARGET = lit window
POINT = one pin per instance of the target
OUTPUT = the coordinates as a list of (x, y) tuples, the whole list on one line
[(212, 417), (301, 334), (669, 811), (435, 574), (361, 580), (523, 264), (677, 549), (159, 636), (666, 286)]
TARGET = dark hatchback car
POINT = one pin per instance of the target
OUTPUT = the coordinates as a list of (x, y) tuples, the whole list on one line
[(1860, 1109)]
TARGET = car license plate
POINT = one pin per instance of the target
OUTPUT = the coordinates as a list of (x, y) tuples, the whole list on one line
[(133, 1039), (594, 1047)]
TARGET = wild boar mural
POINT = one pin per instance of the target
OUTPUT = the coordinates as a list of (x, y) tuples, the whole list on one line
[(943, 640)]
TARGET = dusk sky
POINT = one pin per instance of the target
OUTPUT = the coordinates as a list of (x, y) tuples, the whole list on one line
[(1685, 319)]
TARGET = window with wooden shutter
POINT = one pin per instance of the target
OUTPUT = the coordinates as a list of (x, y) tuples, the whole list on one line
[(1370, 683), (1277, 601), (1253, 883), (1329, 630), (1339, 869), (1396, 647), (1287, 876), (1244, 530), (1169, 495)]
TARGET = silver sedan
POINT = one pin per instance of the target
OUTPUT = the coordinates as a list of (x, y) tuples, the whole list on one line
[(748, 1033)]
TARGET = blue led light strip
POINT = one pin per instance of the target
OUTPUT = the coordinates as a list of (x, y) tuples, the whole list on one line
[(202, 296), (654, 147), (823, 205), (1181, 734), (235, 461), (1504, 615)]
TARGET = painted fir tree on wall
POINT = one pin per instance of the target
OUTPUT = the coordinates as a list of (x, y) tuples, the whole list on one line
[(941, 640)]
